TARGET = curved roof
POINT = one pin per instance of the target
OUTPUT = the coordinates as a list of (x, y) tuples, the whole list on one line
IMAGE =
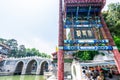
[(100, 3)]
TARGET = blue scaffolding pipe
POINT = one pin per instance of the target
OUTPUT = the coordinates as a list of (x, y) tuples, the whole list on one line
[(77, 13), (77, 26), (83, 10), (89, 12)]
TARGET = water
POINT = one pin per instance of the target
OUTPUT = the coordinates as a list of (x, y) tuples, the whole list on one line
[(22, 77)]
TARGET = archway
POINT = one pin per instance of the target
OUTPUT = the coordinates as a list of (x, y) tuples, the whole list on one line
[(19, 68), (43, 67), (31, 67)]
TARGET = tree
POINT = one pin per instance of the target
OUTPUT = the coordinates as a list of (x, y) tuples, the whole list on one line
[(49, 56), (44, 55), (21, 51), (12, 43), (117, 41), (3, 40), (34, 52), (85, 55), (112, 19)]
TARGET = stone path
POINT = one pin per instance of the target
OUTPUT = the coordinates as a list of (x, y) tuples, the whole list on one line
[(115, 77)]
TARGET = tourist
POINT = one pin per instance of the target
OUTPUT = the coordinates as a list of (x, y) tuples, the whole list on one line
[(100, 77), (110, 74)]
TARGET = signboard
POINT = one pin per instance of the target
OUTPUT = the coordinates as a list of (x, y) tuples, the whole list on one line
[(85, 48), (83, 33)]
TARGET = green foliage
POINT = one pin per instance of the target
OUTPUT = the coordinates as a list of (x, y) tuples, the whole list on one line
[(65, 60), (117, 41), (12, 43), (112, 18), (85, 55), (21, 51)]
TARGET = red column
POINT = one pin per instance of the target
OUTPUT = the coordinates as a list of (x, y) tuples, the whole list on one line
[(107, 32), (60, 73)]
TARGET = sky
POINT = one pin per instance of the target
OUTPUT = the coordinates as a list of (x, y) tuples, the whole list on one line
[(33, 23)]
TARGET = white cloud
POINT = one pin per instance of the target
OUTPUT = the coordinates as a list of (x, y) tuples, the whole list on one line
[(27, 7), (40, 44), (110, 1), (26, 19), (23, 20)]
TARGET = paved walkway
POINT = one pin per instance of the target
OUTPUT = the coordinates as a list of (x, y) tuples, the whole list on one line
[(114, 78)]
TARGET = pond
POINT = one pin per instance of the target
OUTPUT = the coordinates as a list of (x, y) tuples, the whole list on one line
[(22, 77)]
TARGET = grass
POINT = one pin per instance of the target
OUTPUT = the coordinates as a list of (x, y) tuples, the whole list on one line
[(22, 77), (65, 60)]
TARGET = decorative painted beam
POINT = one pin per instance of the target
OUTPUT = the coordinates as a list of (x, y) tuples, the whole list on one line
[(87, 26), (87, 48), (86, 41)]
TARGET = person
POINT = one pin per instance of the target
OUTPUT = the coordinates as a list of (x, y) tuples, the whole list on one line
[(110, 73), (51, 66), (93, 74), (87, 76), (100, 77)]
